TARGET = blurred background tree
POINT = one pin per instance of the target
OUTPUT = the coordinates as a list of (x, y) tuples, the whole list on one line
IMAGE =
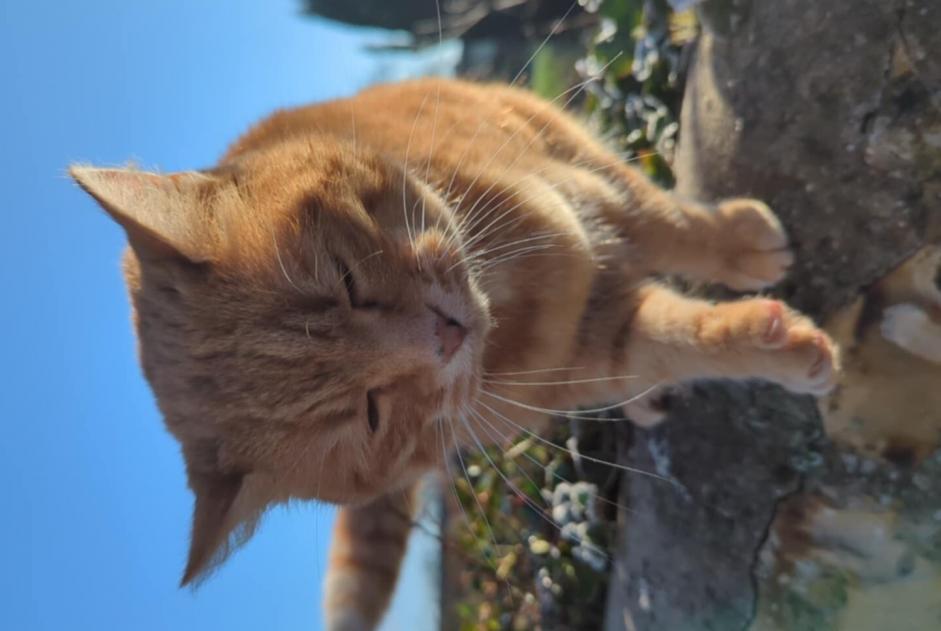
[(498, 36)]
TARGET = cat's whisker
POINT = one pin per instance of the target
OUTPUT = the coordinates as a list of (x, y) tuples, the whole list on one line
[(470, 484), (481, 267), (460, 221), (418, 200), (284, 270), (545, 441), (535, 370), (487, 265), (576, 90), (539, 510), (514, 451), (509, 244), (408, 146), (516, 255), (480, 255), (551, 188), (492, 228), (452, 243), (468, 245), (555, 29), (512, 83), (580, 414), (565, 382), (490, 207), (463, 220), (478, 238), (520, 246), (516, 490), (542, 236), (473, 492), (439, 430), (434, 125)]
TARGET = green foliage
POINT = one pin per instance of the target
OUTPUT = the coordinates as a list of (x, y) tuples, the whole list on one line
[(537, 541), (639, 51), (549, 77)]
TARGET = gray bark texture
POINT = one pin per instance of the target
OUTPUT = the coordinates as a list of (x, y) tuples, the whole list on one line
[(830, 111)]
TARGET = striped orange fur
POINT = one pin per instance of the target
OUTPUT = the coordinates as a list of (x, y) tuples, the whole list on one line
[(358, 284)]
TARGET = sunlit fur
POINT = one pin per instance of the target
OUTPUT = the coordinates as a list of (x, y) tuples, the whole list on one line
[(480, 202)]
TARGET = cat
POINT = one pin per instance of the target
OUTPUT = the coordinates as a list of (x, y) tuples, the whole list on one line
[(362, 285)]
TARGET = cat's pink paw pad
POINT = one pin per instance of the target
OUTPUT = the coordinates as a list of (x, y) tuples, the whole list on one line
[(819, 357), (756, 323), (791, 350), (824, 362), (775, 334)]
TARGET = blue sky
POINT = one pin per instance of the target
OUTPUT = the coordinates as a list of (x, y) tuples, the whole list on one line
[(96, 512)]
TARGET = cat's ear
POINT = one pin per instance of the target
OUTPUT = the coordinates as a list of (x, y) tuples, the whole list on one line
[(214, 518), (227, 507), (164, 215)]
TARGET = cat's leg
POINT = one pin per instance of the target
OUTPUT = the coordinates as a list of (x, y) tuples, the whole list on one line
[(368, 545), (737, 242), (673, 338)]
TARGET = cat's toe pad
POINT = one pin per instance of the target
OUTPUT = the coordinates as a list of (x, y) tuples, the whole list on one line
[(772, 324), (752, 222), (755, 323), (811, 361), (752, 244), (774, 342)]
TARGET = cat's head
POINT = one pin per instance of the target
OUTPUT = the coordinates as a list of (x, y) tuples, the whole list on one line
[(304, 317)]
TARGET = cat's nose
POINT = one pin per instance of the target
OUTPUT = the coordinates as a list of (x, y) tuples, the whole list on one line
[(450, 334)]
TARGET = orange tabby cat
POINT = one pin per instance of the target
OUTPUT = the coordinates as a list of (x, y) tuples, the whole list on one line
[(362, 284)]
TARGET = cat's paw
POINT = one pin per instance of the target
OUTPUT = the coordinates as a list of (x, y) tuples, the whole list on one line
[(799, 356), (752, 245), (774, 342)]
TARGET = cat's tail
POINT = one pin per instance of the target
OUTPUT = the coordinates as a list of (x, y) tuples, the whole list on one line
[(369, 542)]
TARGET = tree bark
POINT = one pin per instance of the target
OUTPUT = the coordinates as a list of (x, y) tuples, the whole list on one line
[(829, 110)]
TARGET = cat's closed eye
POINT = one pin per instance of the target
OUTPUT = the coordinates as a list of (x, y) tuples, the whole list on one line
[(372, 412), (355, 296), (349, 282)]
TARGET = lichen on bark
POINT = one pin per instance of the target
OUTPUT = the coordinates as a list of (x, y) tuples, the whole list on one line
[(830, 112)]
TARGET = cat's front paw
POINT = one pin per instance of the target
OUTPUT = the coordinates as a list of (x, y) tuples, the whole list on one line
[(797, 354), (751, 244)]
